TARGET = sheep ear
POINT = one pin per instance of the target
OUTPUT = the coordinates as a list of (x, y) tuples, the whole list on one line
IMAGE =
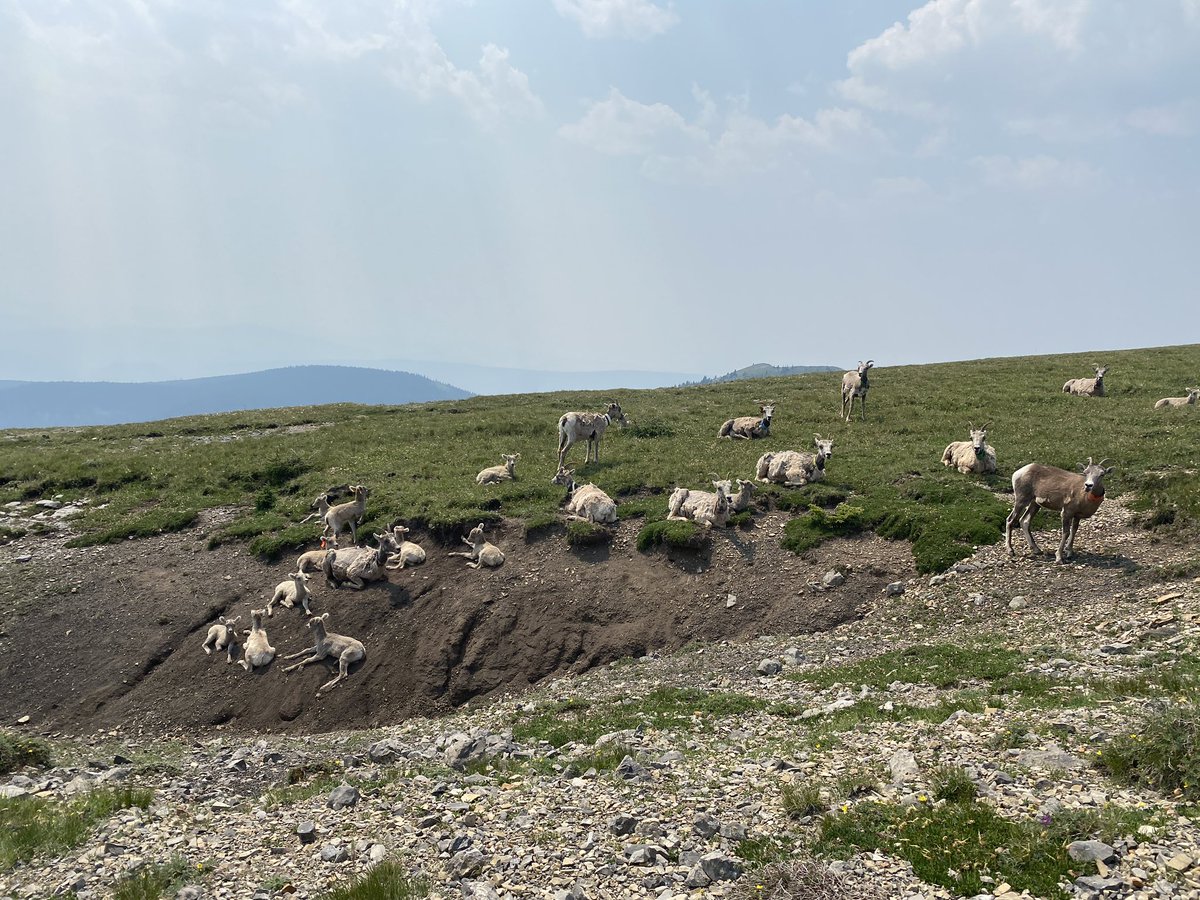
[(1109, 470)]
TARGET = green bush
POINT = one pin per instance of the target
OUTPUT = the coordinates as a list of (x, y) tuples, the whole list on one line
[(817, 525), (951, 783), (17, 750), (674, 534), (1162, 753), (386, 881), (33, 825)]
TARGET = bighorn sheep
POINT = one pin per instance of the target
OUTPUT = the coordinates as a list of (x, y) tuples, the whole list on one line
[(740, 501), (856, 384), (482, 552), (1078, 496), (748, 427), (970, 456), (290, 592), (702, 507), (347, 514), (345, 650), (578, 426), (256, 651), (1087, 387), (586, 501), (356, 566), (222, 636), (1190, 400), (407, 552), (792, 468), (496, 474), (312, 560)]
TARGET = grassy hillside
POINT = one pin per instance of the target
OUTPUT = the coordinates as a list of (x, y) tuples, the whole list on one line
[(420, 461)]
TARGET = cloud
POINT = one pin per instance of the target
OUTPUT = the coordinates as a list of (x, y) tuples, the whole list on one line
[(1167, 120), (636, 19), (1034, 173), (619, 126)]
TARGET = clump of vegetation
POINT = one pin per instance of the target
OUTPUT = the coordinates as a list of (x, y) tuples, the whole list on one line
[(152, 882), (1162, 753), (763, 851), (952, 784), (939, 665), (587, 534), (800, 801), (653, 429), (9, 533), (821, 494), (674, 534), (1009, 738), (818, 525), (155, 522), (33, 825), (17, 750), (802, 879), (386, 881)]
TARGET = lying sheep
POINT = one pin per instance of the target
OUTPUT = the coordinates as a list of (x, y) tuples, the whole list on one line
[(971, 456), (222, 636), (338, 518), (1087, 387), (482, 553), (586, 501), (314, 559), (702, 507), (345, 650), (792, 468), (749, 427), (290, 592), (407, 553), (356, 566), (320, 507), (257, 651), (740, 501), (1193, 394), (503, 472)]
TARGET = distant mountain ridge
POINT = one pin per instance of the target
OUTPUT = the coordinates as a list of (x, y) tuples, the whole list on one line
[(765, 370), (46, 404)]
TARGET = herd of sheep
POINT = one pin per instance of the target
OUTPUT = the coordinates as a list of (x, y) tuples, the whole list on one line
[(1075, 496)]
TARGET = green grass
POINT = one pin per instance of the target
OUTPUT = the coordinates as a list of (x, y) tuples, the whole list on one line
[(800, 800), (17, 750), (951, 783), (939, 665), (30, 826), (1162, 752), (817, 526), (386, 881), (587, 534), (153, 881), (675, 534), (420, 460)]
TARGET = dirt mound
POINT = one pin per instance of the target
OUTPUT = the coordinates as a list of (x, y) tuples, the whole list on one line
[(112, 635)]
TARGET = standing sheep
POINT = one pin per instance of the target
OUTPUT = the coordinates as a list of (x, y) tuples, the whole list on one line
[(349, 514), (586, 426), (1087, 387), (1077, 496), (856, 384), (971, 456)]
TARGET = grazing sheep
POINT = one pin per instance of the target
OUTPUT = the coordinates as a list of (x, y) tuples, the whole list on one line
[(257, 651), (349, 514), (345, 650), (356, 566), (290, 592), (1078, 496), (740, 501), (578, 426), (482, 552), (856, 384), (407, 552), (792, 468), (702, 507), (586, 501), (971, 456), (1190, 400), (314, 559), (504, 472), (747, 427), (222, 636), (1087, 387)]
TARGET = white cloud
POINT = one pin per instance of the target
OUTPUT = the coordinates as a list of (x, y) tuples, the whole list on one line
[(619, 126), (636, 19), (1167, 120), (1034, 173)]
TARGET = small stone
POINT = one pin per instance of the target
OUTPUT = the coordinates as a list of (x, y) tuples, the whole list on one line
[(307, 832), (903, 766), (768, 667), (342, 796), (630, 770), (1017, 603), (334, 853), (731, 601), (705, 826), (1180, 862), (833, 578), (793, 657), (377, 854), (1090, 851), (895, 589)]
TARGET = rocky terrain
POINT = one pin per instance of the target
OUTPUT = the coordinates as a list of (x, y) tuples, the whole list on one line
[(480, 805)]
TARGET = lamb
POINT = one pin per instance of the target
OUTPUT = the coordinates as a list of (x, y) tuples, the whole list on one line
[(314, 559), (577, 426), (338, 517), (971, 456), (482, 552), (496, 474), (740, 501), (290, 592), (407, 552), (748, 427), (1193, 394), (855, 384), (321, 506), (222, 636), (345, 650), (586, 501), (257, 651), (1087, 387), (356, 566), (1078, 496), (792, 468), (702, 507)]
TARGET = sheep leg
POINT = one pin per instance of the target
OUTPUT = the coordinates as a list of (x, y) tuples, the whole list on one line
[(1064, 551), (356, 583), (1018, 511), (299, 653), (315, 658), (1026, 521)]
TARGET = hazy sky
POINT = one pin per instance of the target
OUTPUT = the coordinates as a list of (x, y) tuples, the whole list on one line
[(194, 187)]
